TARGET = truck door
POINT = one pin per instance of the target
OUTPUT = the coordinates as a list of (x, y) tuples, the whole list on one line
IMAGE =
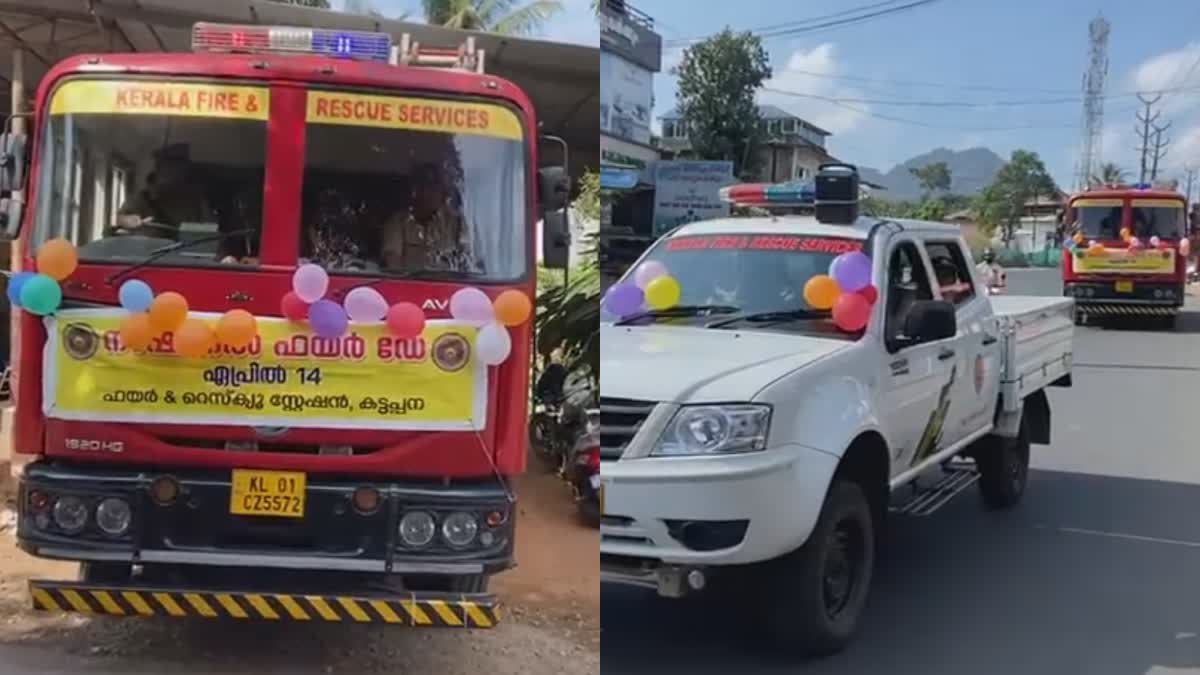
[(916, 379), (977, 348)]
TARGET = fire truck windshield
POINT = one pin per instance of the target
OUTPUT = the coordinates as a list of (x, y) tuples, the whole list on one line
[(1157, 218)]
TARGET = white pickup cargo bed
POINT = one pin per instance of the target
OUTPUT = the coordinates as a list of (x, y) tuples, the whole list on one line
[(1036, 334)]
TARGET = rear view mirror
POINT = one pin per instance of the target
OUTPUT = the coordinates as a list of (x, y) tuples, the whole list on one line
[(12, 161), (930, 321), (554, 188), (556, 239)]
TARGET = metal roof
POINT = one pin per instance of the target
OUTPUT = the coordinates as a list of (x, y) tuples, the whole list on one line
[(562, 80)]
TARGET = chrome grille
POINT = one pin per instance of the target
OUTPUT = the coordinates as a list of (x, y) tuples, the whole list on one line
[(619, 421)]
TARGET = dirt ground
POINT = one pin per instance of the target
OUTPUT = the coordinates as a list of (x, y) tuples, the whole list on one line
[(551, 626)]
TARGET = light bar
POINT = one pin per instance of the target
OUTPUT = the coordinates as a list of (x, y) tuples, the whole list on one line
[(346, 44), (770, 194)]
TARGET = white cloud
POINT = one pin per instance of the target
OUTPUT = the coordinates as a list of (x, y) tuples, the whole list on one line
[(802, 85), (1176, 69), (576, 23)]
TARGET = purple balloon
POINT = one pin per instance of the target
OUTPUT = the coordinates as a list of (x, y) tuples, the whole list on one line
[(851, 271), (327, 319), (649, 271), (624, 299)]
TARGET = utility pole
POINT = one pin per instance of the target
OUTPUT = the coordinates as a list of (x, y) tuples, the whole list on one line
[(1160, 149), (1147, 119), (1190, 172)]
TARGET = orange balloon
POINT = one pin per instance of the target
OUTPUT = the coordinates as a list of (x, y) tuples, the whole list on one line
[(168, 311), (237, 328), (512, 308), (136, 332), (57, 259), (194, 338), (821, 291)]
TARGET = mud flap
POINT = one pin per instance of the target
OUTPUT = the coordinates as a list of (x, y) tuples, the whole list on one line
[(415, 609)]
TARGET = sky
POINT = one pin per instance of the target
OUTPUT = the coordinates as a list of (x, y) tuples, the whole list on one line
[(575, 23), (1028, 55)]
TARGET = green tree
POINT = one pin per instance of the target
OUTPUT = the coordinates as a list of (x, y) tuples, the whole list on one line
[(933, 177), (1023, 179), (1106, 174), (587, 203), (494, 16), (717, 80), (931, 209)]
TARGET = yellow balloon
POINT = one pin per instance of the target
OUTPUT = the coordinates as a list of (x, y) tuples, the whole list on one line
[(662, 293), (821, 291)]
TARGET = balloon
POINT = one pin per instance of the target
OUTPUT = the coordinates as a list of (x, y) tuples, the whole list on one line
[(57, 259), (1134, 242), (405, 320), (135, 295), (237, 328), (168, 311), (365, 305), (136, 332), (1125, 234), (471, 304), (851, 312), (292, 307), (310, 282), (512, 308), (624, 299), (869, 293), (328, 319), (1078, 238), (493, 344), (821, 291), (41, 295), (662, 293), (1185, 247), (649, 271), (851, 271), (15, 283), (194, 338), (1155, 241)]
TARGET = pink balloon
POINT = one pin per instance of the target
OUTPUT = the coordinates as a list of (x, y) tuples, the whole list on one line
[(365, 305), (851, 312), (649, 271), (310, 282), (406, 320), (471, 304)]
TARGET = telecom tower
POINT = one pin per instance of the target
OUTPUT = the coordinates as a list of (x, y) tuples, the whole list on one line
[(1093, 100)]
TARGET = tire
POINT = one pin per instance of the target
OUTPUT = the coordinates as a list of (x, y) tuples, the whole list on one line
[(810, 614), (542, 438), (1167, 323), (1003, 465), (589, 512), (101, 573), (1080, 318)]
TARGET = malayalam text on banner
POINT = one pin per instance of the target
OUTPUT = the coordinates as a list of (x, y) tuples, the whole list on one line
[(367, 379)]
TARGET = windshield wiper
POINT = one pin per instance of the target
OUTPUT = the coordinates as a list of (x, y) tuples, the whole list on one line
[(679, 311), (167, 250), (773, 316)]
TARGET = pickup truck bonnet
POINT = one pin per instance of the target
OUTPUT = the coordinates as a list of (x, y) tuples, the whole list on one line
[(686, 364)]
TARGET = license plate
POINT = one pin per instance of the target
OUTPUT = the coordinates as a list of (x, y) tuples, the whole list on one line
[(1124, 286), (278, 494)]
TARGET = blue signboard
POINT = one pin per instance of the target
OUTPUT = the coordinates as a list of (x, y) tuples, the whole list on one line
[(612, 178)]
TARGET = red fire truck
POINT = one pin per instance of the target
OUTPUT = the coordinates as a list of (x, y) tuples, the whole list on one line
[(379, 470), (1126, 253)]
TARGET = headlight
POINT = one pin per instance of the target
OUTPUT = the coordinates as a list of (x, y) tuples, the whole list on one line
[(417, 529), (70, 514), (712, 430), (113, 516), (459, 529)]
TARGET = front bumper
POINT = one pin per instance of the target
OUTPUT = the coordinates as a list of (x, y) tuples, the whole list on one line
[(407, 609), (675, 513), (198, 530), (1143, 298)]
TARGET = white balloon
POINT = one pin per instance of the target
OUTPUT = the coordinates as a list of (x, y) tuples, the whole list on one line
[(493, 344)]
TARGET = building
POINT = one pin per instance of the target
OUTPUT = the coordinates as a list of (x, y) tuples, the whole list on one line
[(792, 149)]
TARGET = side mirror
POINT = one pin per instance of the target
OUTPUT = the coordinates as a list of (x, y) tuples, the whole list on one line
[(554, 188), (929, 321), (556, 239), (13, 159), (10, 218)]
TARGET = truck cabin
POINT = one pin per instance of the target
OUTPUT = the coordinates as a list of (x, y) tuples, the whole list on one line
[(1102, 215)]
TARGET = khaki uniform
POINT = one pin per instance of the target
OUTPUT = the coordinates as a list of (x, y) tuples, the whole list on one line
[(433, 244)]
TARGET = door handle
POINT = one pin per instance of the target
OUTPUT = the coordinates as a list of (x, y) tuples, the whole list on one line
[(988, 339), (945, 354), (899, 367)]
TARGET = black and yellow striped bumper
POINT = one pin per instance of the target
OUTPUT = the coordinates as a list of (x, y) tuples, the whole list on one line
[(420, 610), (1126, 310)]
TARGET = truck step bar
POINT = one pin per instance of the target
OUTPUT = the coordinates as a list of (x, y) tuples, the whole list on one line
[(925, 501), (416, 609)]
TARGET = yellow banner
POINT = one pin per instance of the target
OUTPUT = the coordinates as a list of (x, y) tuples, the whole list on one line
[(1117, 261), (288, 377), (182, 99), (417, 114), (1079, 203), (1160, 203)]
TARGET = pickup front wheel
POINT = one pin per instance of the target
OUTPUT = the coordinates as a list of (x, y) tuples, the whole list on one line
[(817, 593)]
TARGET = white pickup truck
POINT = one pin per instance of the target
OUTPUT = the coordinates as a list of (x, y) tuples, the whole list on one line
[(747, 443)]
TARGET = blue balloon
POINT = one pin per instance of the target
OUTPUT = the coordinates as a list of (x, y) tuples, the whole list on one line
[(136, 295), (15, 283)]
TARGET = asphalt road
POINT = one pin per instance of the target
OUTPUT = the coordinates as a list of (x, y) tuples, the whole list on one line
[(1097, 571)]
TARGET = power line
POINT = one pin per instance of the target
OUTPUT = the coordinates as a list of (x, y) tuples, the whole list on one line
[(940, 103), (820, 23)]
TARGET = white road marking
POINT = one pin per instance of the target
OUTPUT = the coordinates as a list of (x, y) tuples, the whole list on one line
[(1131, 537)]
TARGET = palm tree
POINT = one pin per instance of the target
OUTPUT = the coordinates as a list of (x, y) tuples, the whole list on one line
[(493, 16), (1108, 173)]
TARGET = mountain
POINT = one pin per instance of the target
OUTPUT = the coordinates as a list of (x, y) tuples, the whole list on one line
[(970, 171)]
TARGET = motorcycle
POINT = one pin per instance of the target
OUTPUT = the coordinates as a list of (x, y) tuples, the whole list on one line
[(1193, 274), (585, 470), (559, 415)]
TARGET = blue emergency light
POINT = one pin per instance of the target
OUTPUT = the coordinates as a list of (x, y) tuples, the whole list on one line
[(229, 38)]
